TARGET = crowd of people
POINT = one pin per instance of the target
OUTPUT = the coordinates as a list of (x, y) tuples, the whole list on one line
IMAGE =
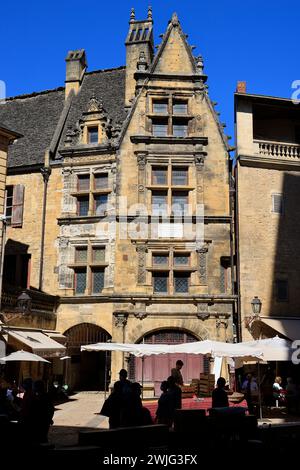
[(124, 405), (30, 406)]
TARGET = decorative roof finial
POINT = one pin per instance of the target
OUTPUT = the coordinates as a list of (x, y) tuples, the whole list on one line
[(132, 14), (199, 64), (150, 17), (142, 62), (175, 20)]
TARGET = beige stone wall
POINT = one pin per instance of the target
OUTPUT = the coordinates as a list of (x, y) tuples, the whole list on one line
[(3, 169), (30, 232), (72, 314), (268, 242)]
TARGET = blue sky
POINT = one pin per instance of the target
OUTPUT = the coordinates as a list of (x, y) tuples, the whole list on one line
[(256, 41)]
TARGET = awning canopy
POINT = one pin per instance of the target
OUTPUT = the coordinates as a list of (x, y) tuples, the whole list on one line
[(214, 348), (36, 342), (290, 328), (59, 337)]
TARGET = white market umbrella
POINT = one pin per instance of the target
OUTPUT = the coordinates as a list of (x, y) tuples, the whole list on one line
[(23, 356), (138, 350)]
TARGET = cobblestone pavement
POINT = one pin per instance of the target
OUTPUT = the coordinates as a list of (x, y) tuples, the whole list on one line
[(80, 412)]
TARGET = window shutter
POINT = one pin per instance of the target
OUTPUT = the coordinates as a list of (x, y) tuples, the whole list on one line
[(18, 205)]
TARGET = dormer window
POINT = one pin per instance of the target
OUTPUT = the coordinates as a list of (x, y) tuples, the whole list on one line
[(93, 135)]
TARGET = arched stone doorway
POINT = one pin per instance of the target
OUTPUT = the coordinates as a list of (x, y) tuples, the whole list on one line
[(158, 368), (86, 370)]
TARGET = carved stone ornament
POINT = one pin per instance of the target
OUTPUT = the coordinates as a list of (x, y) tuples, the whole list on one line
[(141, 188), (141, 160), (142, 273), (199, 161), (95, 105), (120, 319), (220, 323), (199, 64), (202, 268), (142, 64), (140, 315), (202, 312)]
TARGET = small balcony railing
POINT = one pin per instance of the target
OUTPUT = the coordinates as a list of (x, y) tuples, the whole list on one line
[(277, 149)]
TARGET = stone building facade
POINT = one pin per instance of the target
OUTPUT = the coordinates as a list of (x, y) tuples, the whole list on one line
[(267, 217), (114, 162)]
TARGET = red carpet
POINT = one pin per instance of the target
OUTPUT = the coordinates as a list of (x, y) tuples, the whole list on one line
[(191, 403)]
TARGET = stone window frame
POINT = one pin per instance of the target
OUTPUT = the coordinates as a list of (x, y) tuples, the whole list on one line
[(92, 191), (85, 133), (170, 163), (170, 268), (89, 265), (170, 116)]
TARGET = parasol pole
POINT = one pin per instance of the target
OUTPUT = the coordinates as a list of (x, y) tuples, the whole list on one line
[(143, 377), (259, 391)]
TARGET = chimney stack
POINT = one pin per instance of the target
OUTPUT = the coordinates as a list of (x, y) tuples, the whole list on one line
[(139, 43), (75, 68), (241, 87)]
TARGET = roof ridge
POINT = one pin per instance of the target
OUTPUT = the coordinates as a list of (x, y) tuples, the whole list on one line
[(121, 67), (33, 94)]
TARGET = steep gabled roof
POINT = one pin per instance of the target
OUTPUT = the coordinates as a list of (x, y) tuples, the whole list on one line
[(35, 117), (174, 24)]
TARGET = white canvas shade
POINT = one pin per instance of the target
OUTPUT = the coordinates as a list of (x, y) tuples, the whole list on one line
[(214, 348), (23, 356)]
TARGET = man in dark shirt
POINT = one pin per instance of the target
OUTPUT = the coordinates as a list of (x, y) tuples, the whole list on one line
[(219, 395), (177, 374)]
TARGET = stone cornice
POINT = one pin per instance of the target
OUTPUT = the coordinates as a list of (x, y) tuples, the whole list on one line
[(150, 139), (73, 219), (171, 76), (85, 150), (269, 162), (152, 298)]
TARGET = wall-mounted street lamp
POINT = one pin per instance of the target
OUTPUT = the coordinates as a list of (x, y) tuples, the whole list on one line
[(256, 306)]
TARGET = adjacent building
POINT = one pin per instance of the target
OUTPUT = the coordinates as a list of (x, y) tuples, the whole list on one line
[(267, 214)]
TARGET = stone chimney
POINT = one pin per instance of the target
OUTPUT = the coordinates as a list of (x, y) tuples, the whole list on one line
[(139, 48), (241, 87), (75, 67)]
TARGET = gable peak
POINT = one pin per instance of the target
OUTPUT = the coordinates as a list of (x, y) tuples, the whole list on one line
[(175, 20)]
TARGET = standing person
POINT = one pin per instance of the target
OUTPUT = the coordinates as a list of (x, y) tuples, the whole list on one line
[(174, 397), (250, 389), (219, 395), (26, 410), (163, 415), (126, 398), (175, 372), (42, 412)]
